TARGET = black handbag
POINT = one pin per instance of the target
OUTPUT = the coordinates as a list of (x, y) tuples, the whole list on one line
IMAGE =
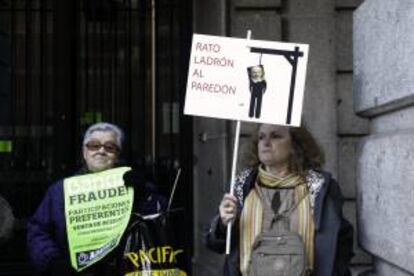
[(149, 247)]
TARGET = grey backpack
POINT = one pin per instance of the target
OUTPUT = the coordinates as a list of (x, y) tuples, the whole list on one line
[(278, 251)]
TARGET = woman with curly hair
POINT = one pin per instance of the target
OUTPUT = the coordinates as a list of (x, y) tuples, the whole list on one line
[(284, 188)]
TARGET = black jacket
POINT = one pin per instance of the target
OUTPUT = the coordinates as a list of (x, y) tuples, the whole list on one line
[(333, 236)]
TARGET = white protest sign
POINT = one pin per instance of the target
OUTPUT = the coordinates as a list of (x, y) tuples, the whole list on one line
[(247, 80)]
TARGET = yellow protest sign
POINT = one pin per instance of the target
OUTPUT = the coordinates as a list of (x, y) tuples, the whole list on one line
[(164, 272), (97, 211)]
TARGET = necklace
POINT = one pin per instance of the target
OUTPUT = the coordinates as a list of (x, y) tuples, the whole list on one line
[(273, 202)]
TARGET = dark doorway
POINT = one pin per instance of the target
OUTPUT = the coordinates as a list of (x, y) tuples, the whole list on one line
[(67, 64)]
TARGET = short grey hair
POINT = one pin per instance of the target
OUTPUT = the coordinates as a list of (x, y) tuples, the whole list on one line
[(119, 134)]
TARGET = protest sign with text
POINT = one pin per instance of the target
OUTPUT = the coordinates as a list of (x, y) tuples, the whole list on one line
[(97, 210), (247, 80)]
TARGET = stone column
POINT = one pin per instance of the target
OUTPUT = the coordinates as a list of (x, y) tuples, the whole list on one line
[(210, 152), (313, 22), (384, 93), (351, 128)]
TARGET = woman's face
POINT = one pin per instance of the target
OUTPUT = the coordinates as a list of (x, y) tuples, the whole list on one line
[(274, 145), (101, 151)]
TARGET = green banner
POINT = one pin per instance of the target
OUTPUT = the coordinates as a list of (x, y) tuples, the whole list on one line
[(90, 117), (6, 146), (97, 211)]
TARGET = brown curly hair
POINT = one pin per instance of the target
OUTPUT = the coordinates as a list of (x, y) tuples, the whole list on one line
[(307, 154)]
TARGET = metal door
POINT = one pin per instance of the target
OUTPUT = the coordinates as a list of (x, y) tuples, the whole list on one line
[(67, 64)]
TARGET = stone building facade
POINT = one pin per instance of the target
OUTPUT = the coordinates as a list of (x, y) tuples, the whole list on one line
[(384, 94), (327, 26)]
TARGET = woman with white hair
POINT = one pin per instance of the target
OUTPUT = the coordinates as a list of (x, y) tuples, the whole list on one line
[(47, 236)]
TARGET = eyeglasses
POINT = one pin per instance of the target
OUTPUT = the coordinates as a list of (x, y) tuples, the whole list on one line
[(108, 146)]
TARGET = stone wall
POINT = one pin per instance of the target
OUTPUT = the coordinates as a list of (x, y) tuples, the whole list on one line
[(210, 151), (384, 93), (351, 128)]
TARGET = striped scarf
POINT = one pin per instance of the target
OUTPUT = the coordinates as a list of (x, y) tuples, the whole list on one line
[(251, 218)]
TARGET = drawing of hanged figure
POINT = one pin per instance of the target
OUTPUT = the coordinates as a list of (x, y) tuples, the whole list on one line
[(257, 87)]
